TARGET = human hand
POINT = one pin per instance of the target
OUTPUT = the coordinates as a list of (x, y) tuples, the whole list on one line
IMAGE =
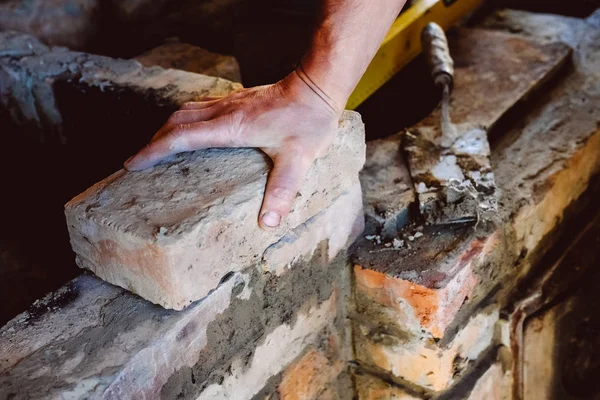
[(292, 121)]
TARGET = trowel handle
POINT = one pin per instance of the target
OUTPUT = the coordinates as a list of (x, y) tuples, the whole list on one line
[(437, 53)]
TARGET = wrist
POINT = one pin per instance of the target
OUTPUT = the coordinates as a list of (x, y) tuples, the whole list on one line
[(322, 64), (301, 86)]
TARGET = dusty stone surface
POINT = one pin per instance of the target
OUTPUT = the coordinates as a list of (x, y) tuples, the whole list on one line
[(69, 23), (453, 178), (548, 164), (186, 57), (29, 71), (421, 360), (94, 340), (172, 232)]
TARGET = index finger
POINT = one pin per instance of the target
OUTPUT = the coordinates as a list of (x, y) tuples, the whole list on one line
[(183, 137)]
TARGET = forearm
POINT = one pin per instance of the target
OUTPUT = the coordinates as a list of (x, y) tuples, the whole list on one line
[(346, 40)]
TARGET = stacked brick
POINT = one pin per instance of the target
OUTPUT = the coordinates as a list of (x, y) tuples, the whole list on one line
[(425, 312), (263, 312), (436, 314)]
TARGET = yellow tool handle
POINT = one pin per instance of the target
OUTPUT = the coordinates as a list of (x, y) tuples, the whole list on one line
[(402, 43)]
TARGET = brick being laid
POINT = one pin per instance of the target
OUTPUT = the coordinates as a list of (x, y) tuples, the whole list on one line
[(171, 233)]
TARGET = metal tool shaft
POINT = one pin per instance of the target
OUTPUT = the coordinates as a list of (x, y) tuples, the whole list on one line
[(437, 53)]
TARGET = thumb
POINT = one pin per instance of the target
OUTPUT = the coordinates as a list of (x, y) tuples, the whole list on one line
[(283, 184)]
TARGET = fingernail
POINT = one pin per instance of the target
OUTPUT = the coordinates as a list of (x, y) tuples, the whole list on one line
[(271, 219)]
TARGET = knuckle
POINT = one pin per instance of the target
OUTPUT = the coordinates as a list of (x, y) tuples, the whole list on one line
[(188, 104), (178, 130), (177, 116), (283, 193), (303, 153)]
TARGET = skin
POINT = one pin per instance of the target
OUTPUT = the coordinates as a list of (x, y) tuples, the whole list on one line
[(294, 120)]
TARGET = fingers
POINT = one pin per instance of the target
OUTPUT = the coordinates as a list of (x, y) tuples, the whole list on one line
[(182, 117), (282, 187), (180, 138)]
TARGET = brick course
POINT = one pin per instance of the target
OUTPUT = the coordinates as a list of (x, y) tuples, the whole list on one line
[(421, 360)]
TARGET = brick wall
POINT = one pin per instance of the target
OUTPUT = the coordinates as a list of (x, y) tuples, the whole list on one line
[(410, 311)]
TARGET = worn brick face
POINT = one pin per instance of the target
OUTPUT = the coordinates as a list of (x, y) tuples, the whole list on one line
[(369, 387), (171, 233), (494, 384), (415, 307), (423, 361), (306, 378)]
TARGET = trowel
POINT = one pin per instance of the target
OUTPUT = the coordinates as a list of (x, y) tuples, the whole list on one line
[(450, 167)]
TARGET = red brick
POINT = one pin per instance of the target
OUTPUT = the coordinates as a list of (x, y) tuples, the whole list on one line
[(421, 360), (415, 307), (494, 384), (369, 387), (309, 376)]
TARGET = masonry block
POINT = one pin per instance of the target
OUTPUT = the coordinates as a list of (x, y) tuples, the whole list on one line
[(494, 384), (95, 340), (421, 360), (369, 387), (30, 71), (191, 58), (309, 376), (172, 232), (339, 224), (420, 303)]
